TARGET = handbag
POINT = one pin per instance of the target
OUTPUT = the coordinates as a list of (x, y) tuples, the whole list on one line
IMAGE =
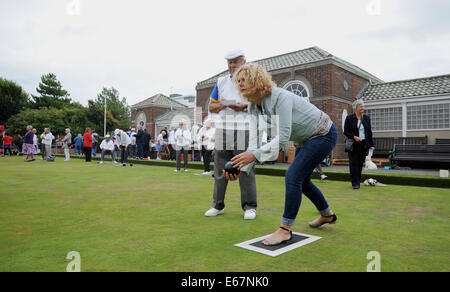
[(349, 142), (349, 145)]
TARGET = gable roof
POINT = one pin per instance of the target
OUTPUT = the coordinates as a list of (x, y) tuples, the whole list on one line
[(170, 115), (159, 100), (434, 85), (297, 58)]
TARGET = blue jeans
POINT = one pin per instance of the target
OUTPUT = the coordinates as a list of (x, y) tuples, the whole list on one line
[(298, 176), (78, 149), (94, 149)]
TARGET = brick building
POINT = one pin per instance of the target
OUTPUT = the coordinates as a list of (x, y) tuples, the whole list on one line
[(329, 82), (146, 112)]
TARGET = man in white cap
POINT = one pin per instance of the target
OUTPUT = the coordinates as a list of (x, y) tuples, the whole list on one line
[(122, 141), (107, 147), (132, 149), (229, 114)]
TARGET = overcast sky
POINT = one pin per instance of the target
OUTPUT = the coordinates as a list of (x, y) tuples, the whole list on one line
[(147, 47)]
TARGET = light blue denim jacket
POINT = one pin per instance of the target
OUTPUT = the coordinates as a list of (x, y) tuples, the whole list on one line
[(285, 117)]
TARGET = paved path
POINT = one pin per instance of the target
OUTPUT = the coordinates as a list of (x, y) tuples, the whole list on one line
[(405, 170)]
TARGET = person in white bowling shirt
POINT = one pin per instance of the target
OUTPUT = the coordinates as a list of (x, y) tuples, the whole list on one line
[(183, 142)]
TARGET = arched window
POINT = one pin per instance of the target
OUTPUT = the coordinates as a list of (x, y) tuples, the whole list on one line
[(298, 87)]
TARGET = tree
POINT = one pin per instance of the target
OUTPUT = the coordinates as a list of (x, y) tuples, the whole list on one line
[(95, 115), (56, 119), (13, 99), (51, 93), (118, 111)]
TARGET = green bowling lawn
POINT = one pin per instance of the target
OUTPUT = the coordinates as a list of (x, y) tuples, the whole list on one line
[(149, 218)]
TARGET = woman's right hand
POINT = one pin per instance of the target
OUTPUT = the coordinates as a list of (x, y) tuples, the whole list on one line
[(357, 139)]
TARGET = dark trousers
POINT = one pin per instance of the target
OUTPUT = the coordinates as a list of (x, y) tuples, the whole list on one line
[(87, 153), (123, 155), (173, 152), (356, 161), (207, 155), (182, 150), (132, 150), (140, 149), (229, 144), (7, 148), (146, 150)]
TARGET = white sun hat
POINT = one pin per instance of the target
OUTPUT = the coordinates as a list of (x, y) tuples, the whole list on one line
[(234, 54)]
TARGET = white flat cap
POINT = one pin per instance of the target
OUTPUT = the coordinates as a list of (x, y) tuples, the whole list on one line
[(234, 54), (117, 131), (108, 136)]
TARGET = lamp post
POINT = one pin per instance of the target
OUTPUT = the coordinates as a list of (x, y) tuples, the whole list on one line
[(104, 121)]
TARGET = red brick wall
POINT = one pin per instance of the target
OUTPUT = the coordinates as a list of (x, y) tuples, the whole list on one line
[(202, 97), (151, 114)]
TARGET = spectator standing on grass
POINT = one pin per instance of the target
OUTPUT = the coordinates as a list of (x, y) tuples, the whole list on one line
[(87, 144), (47, 140), (19, 143), (7, 144), (229, 113), (147, 138), (28, 146), (67, 142), (140, 142), (159, 144), (35, 140), (78, 144), (172, 142), (206, 138), (132, 149), (183, 142), (95, 139), (357, 127)]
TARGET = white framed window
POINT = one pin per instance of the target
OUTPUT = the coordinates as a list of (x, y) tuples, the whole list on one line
[(297, 87), (385, 119), (428, 116)]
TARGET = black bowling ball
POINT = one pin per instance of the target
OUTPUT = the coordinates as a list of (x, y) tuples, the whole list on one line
[(230, 169)]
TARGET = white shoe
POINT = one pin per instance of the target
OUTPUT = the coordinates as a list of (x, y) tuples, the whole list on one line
[(115, 162), (323, 176), (158, 158), (101, 162), (206, 173), (185, 170), (214, 212), (176, 170), (250, 214)]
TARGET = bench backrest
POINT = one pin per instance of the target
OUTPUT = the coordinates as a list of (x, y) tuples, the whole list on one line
[(387, 143), (442, 141), (422, 149)]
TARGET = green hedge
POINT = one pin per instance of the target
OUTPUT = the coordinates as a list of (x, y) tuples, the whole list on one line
[(385, 178)]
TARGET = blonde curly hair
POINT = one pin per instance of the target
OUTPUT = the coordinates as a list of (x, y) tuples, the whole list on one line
[(259, 82)]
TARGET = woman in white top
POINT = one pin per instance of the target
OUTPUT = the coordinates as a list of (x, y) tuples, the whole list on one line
[(183, 142), (159, 144), (206, 138)]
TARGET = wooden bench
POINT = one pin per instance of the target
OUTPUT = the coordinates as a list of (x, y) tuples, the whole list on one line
[(442, 141), (384, 145), (407, 154)]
